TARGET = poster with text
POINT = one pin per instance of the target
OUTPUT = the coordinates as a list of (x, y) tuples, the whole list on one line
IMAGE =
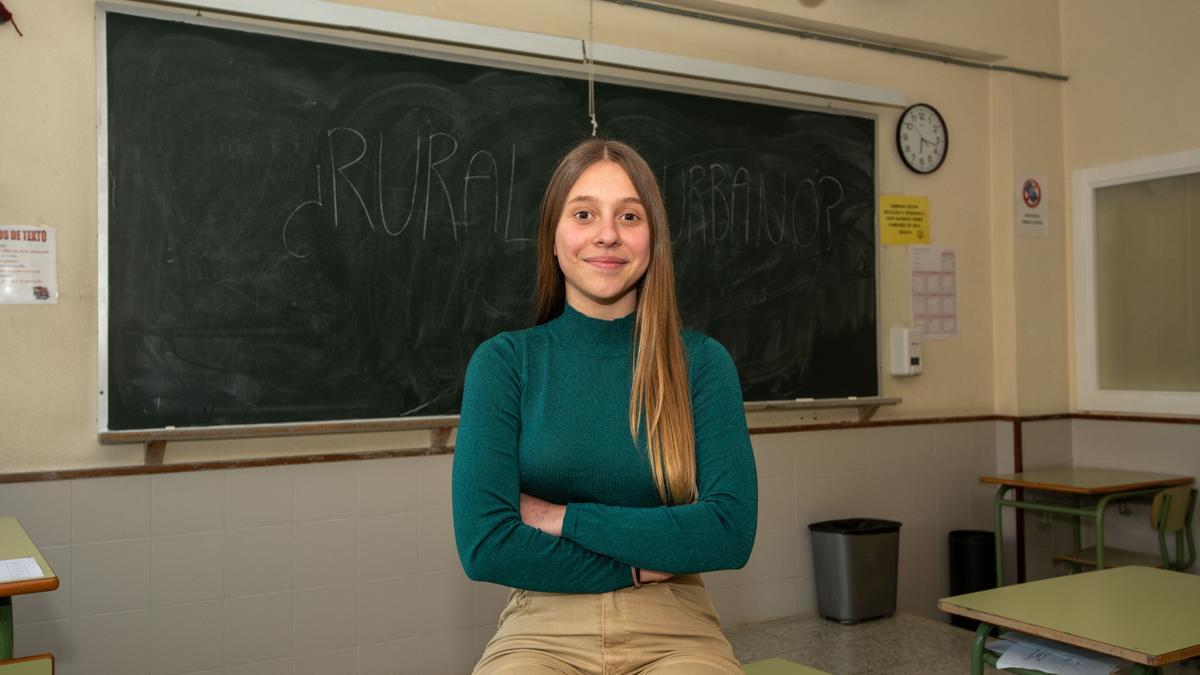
[(934, 291), (904, 219), (28, 269)]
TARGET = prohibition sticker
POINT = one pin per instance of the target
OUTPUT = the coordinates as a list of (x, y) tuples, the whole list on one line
[(1031, 193), (1032, 219)]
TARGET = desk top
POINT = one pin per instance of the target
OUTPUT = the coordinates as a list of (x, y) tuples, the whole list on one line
[(1087, 481), (1141, 614), (41, 664), (14, 543)]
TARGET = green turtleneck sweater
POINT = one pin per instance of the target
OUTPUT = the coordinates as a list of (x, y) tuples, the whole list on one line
[(546, 412)]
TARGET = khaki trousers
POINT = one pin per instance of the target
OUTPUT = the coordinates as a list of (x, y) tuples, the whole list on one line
[(663, 628)]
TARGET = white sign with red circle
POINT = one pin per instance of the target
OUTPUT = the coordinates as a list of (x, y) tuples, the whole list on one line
[(1032, 219)]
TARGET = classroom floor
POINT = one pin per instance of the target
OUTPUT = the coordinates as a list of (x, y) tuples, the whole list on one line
[(904, 644), (901, 645)]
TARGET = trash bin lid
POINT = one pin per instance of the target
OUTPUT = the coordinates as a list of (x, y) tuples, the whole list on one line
[(972, 537), (855, 526)]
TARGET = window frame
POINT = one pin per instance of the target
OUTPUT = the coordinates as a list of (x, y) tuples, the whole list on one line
[(1085, 182)]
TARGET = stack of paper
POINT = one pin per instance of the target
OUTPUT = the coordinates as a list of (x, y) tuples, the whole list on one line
[(19, 569), (1019, 650)]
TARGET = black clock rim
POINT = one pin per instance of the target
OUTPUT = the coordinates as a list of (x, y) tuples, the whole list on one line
[(900, 148)]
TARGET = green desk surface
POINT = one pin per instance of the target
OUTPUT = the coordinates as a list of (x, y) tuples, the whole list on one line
[(1082, 480), (42, 664), (1140, 614), (14, 543), (779, 667)]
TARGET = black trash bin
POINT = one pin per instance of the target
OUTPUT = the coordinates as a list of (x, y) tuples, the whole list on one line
[(972, 567), (855, 561)]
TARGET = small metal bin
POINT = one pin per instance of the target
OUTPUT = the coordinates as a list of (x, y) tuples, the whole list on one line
[(855, 562)]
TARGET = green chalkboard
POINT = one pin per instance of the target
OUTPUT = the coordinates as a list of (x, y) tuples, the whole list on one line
[(300, 231)]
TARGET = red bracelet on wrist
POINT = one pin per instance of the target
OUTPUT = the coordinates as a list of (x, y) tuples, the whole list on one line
[(637, 577)]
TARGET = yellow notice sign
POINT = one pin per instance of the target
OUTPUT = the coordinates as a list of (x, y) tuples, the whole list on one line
[(904, 219)]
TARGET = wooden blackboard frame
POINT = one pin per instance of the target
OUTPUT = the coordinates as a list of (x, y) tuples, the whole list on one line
[(495, 59)]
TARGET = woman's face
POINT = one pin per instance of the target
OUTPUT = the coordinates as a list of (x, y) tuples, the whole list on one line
[(602, 242)]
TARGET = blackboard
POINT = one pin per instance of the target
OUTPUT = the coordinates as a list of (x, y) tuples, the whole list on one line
[(300, 231)]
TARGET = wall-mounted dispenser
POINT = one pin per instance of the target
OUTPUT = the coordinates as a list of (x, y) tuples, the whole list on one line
[(906, 351)]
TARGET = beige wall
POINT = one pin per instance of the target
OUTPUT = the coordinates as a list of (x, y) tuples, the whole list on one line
[(1013, 300), (1134, 69), (1041, 273), (1133, 91)]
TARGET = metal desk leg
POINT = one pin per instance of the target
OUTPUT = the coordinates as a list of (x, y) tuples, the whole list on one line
[(1101, 505), (977, 648), (6, 628), (1099, 518), (1000, 533), (1077, 530)]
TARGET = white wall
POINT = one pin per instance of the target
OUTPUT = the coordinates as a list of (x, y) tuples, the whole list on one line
[(1137, 446), (350, 567)]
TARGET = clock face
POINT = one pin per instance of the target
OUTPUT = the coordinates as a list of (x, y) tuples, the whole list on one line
[(922, 138)]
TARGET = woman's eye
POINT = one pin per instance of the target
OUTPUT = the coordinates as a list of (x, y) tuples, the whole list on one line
[(631, 217), (583, 215)]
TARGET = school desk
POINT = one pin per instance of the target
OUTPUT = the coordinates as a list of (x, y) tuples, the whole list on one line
[(14, 543), (1106, 485), (1141, 614), (40, 664)]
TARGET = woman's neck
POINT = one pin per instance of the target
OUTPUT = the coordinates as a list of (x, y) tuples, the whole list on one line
[(621, 308)]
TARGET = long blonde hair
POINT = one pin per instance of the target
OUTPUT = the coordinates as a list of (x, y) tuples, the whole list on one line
[(660, 398)]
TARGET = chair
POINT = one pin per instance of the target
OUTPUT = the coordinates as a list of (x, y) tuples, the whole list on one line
[(41, 664), (1172, 512)]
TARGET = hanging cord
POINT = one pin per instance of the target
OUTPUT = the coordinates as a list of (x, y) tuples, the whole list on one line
[(7, 16), (589, 48)]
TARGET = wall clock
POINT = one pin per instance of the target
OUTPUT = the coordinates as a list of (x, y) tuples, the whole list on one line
[(922, 138)]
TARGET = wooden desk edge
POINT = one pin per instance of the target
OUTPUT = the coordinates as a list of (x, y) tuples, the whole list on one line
[(28, 586), (33, 657), (1107, 489), (1071, 639)]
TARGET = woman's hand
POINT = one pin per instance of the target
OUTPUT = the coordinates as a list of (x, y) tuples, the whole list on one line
[(548, 517), (544, 515)]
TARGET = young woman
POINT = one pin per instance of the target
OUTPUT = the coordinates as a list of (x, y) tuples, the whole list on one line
[(602, 458)]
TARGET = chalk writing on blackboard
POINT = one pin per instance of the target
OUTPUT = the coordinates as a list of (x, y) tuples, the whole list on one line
[(729, 201)]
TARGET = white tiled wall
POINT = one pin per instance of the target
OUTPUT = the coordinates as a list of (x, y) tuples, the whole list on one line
[(1044, 444), (1138, 446), (924, 476), (350, 567)]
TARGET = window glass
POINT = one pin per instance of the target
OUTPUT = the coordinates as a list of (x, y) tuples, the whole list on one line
[(1147, 237)]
